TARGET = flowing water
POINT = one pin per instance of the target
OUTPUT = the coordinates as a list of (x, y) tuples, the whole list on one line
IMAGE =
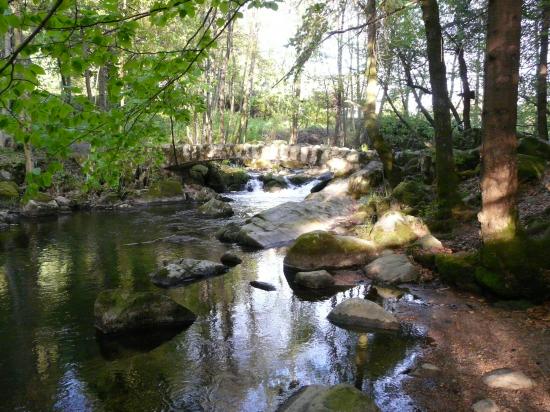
[(249, 349)]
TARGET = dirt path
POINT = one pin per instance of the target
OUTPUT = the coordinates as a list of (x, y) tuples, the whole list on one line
[(468, 337)]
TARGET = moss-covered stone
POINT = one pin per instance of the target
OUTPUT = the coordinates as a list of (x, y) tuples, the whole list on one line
[(530, 167), (216, 208), (412, 193), (223, 178), (534, 147), (458, 270), (324, 250), (493, 282), (394, 229), (165, 188), (120, 311), (42, 197), (466, 159), (8, 191)]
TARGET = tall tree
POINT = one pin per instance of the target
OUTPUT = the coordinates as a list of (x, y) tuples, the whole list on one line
[(370, 117), (499, 181), (447, 181), (542, 72)]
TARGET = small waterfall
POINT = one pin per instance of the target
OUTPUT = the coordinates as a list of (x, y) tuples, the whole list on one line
[(254, 184)]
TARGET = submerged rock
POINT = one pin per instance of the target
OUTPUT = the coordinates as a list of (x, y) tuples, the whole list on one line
[(230, 259), (392, 269), (338, 398), (361, 314), (180, 271), (323, 250), (117, 311), (262, 285), (317, 279), (508, 379), (216, 208), (228, 233)]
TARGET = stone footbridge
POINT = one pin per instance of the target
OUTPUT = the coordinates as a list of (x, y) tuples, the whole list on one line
[(264, 156)]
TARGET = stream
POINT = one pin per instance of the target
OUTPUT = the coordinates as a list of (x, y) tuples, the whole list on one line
[(249, 349)]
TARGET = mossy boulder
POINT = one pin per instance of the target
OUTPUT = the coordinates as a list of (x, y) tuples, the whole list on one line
[(534, 147), (198, 173), (8, 191), (166, 188), (273, 183), (361, 183), (119, 311), (459, 269), (466, 159), (215, 208), (339, 398), (530, 167), (323, 250), (412, 193), (394, 229), (223, 178)]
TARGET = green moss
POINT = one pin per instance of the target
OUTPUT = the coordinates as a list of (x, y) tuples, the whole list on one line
[(466, 159), (165, 188), (346, 398), (493, 282), (412, 193), (399, 236), (322, 243), (534, 147), (8, 191), (458, 270), (42, 197), (530, 167)]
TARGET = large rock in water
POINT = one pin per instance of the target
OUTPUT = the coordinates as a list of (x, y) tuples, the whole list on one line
[(118, 311), (282, 224), (392, 269), (323, 250), (394, 229), (361, 314), (338, 398), (216, 208), (180, 271), (35, 208)]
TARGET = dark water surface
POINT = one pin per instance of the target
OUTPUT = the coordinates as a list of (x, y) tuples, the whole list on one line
[(247, 351)]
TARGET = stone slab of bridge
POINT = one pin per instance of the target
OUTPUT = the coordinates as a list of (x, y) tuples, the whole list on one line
[(264, 156)]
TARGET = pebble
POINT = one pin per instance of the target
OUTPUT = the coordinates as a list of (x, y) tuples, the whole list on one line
[(485, 405), (508, 379)]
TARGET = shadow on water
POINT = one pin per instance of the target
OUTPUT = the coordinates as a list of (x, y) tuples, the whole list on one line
[(248, 350)]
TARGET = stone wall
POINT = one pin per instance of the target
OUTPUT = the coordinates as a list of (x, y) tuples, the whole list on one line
[(266, 156)]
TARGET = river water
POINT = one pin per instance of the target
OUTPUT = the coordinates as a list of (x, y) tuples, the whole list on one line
[(249, 349)]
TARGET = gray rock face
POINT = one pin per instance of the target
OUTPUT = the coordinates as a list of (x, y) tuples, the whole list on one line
[(230, 259), (338, 398), (34, 208), (485, 405), (508, 379), (216, 208), (362, 314), (180, 271), (324, 250), (392, 269), (282, 224), (117, 311), (317, 279)]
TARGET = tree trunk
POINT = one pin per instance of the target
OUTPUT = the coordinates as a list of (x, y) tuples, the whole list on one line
[(338, 128), (245, 108), (444, 162), (409, 79), (295, 108), (370, 118), (466, 92), (542, 73), (499, 181), (102, 96), (223, 71)]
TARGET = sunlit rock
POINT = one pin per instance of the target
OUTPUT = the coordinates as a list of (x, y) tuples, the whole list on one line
[(323, 250), (394, 229), (362, 314), (363, 181), (392, 269)]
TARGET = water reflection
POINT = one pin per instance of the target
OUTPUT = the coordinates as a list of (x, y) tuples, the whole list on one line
[(248, 350)]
